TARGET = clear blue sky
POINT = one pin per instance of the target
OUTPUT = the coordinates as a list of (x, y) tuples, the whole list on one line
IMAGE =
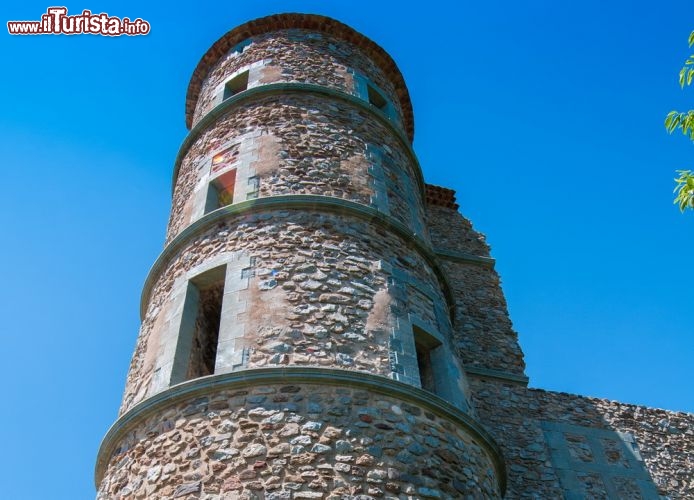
[(545, 117)]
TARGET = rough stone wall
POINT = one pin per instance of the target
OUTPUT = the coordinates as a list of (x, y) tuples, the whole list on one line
[(557, 444), (483, 332), (298, 442), (319, 146), (297, 56), (320, 294), (449, 230)]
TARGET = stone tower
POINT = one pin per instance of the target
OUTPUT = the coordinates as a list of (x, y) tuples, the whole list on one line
[(300, 335), (323, 324)]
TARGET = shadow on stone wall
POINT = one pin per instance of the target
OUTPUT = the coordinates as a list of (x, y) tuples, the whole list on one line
[(559, 445)]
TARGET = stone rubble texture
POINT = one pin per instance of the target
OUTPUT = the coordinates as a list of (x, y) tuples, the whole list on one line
[(334, 267)]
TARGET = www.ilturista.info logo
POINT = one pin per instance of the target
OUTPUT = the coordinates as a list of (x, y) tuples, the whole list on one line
[(56, 21)]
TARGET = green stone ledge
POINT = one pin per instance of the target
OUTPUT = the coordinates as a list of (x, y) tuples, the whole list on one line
[(497, 374), (296, 202), (294, 376), (285, 88), (465, 257)]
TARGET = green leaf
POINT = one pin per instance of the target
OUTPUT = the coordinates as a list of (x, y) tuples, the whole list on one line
[(673, 121), (684, 190)]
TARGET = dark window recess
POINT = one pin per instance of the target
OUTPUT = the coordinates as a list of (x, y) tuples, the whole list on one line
[(203, 351), (425, 344), (237, 84), (221, 191), (376, 98)]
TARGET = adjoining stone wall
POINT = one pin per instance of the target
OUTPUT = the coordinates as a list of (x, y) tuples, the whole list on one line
[(556, 445), (449, 230), (296, 56), (483, 333), (323, 290), (303, 144), (300, 441), (560, 445)]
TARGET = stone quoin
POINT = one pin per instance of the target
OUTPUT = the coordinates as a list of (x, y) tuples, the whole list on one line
[(323, 324)]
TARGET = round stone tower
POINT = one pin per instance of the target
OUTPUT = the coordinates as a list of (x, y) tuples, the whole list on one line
[(296, 329)]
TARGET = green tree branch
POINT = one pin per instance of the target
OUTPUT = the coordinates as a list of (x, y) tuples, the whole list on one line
[(684, 121)]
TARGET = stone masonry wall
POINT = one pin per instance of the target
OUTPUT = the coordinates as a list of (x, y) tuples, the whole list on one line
[(298, 442), (320, 293), (483, 333), (300, 144), (557, 444), (296, 56), (449, 230)]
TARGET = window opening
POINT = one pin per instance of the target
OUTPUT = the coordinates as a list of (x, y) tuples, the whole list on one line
[(196, 352), (237, 84), (376, 98), (221, 191), (424, 345)]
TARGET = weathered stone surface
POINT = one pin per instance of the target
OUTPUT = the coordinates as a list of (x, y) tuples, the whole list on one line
[(483, 333), (270, 462), (642, 452)]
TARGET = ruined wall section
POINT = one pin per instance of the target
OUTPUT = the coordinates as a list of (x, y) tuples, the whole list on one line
[(483, 334), (557, 445), (297, 56), (451, 231)]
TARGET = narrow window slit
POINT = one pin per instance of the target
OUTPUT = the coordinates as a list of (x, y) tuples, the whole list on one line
[(203, 352), (425, 344), (196, 348)]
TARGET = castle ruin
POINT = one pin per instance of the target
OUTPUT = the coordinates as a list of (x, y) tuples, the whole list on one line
[(323, 324)]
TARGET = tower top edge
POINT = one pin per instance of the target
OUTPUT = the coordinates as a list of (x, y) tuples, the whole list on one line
[(313, 22)]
